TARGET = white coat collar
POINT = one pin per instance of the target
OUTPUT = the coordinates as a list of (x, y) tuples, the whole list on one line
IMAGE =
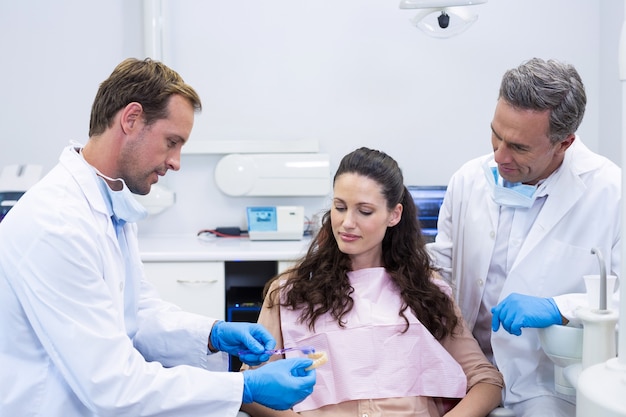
[(85, 176)]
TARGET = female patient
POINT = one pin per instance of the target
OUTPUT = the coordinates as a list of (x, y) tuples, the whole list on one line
[(366, 295)]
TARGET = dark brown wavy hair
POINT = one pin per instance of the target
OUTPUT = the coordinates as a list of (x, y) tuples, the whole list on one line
[(319, 283)]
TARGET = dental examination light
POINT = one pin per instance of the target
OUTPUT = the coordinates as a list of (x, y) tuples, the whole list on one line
[(442, 18)]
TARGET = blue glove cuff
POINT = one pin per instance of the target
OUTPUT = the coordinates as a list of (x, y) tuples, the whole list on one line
[(247, 395), (214, 335)]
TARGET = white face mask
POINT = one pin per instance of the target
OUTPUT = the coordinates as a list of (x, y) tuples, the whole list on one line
[(508, 194), (125, 206)]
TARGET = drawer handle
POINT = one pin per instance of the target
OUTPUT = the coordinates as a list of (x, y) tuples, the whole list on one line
[(196, 282)]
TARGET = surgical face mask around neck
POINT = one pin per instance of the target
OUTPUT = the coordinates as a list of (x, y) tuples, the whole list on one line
[(125, 206), (508, 194)]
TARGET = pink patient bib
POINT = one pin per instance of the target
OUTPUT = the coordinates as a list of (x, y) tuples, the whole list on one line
[(371, 357)]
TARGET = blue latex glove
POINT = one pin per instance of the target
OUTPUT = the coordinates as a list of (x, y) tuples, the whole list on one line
[(280, 384), (519, 310), (232, 337)]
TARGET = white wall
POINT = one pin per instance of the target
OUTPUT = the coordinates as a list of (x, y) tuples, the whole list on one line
[(54, 54), (347, 73)]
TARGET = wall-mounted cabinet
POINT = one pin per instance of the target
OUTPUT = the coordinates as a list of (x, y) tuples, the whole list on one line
[(249, 146)]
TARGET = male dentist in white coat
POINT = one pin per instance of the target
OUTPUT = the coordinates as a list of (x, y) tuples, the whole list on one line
[(516, 229), (82, 332)]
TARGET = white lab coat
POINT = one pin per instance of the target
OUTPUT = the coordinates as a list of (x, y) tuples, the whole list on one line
[(582, 211), (64, 347)]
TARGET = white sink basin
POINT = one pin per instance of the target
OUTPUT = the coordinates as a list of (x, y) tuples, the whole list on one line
[(564, 346)]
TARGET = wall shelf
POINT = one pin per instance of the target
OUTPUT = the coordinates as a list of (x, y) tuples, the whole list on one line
[(195, 147)]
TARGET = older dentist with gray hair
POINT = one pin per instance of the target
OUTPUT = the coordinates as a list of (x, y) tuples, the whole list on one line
[(516, 228)]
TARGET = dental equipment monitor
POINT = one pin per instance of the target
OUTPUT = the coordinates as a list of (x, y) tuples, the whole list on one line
[(276, 222), (428, 200)]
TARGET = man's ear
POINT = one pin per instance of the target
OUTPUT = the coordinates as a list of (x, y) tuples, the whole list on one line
[(131, 117), (566, 143)]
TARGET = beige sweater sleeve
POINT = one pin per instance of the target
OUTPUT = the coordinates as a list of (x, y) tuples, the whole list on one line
[(466, 351), (269, 317)]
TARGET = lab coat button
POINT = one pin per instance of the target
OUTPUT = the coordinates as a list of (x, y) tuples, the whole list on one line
[(492, 234), (480, 282), (121, 286)]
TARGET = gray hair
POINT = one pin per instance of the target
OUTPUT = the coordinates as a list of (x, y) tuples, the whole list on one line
[(547, 85)]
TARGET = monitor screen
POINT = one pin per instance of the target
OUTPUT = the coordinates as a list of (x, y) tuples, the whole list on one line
[(262, 219), (428, 200)]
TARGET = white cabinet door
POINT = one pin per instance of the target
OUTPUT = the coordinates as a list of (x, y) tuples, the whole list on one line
[(197, 287)]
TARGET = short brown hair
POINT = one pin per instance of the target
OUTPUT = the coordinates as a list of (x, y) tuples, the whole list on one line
[(149, 83)]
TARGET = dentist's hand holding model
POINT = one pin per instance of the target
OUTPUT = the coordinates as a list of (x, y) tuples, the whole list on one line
[(261, 385)]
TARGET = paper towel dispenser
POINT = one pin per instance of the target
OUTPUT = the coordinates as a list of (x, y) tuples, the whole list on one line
[(287, 174)]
